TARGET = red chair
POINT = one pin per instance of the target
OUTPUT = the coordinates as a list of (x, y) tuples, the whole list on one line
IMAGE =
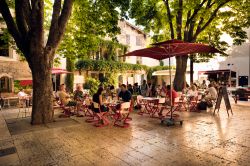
[(122, 115), (66, 109), (101, 116), (177, 106), (194, 103), (87, 108), (153, 107)]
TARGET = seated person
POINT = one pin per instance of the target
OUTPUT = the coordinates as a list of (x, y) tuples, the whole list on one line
[(211, 93), (192, 91), (130, 89), (203, 85), (65, 97), (78, 93), (125, 95), (78, 97), (136, 89), (168, 93), (173, 92), (163, 90), (22, 95), (97, 98)]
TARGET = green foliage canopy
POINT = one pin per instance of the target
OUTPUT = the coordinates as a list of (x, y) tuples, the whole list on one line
[(108, 66), (93, 23), (193, 20)]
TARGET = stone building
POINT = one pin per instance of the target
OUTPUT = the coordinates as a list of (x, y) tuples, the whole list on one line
[(135, 39), (11, 66)]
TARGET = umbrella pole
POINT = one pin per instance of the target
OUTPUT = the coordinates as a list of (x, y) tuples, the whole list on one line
[(55, 82), (171, 88)]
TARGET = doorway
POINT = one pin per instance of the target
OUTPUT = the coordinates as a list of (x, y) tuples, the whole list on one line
[(243, 81)]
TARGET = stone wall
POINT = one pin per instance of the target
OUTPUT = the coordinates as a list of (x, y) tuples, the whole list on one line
[(15, 69)]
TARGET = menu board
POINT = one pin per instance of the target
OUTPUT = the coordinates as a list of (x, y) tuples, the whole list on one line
[(223, 93)]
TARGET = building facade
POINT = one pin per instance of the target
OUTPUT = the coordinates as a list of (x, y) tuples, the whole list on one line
[(11, 66), (134, 39)]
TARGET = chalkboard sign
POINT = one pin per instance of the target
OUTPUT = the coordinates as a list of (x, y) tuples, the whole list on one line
[(223, 93)]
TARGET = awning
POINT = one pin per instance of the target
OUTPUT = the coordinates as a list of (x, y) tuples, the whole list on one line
[(59, 71), (215, 71), (25, 82), (165, 72)]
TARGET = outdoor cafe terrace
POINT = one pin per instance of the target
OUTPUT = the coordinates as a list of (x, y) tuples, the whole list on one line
[(203, 139)]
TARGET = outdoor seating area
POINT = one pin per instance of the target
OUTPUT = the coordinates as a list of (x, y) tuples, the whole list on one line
[(124, 83), (108, 107), (212, 140)]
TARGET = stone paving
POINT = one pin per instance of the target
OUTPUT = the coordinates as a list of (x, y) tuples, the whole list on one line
[(203, 139)]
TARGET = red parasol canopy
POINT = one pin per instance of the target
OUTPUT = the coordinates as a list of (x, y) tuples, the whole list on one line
[(59, 71), (172, 48)]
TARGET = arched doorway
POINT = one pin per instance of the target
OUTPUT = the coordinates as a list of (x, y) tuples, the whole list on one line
[(5, 83)]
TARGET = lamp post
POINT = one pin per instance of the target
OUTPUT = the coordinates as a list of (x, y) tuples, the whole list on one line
[(230, 72)]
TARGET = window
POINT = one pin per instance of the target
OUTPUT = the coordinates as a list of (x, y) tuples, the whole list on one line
[(4, 46), (5, 84), (138, 41), (128, 39)]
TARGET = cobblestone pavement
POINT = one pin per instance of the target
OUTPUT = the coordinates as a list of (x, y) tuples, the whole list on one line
[(203, 139)]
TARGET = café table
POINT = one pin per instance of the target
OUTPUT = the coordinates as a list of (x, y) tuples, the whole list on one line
[(151, 106), (7, 101)]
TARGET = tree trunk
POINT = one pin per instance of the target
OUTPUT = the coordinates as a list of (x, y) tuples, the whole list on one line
[(42, 106), (70, 76), (180, 74)]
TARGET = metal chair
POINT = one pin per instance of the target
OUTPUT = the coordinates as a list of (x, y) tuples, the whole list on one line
[(23, 107)]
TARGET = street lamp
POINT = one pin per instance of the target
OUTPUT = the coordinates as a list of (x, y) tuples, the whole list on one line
[(230, 71)]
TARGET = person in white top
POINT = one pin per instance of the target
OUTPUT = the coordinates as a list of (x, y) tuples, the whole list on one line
[(22, 94), (192, 91), (211, 93), (203, 85), (24, 98)]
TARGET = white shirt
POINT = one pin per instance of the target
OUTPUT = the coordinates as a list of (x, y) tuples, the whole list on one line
[(213, 92), (193, 93), (21, 94)]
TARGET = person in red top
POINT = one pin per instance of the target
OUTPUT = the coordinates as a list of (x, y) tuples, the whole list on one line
[(174, 94), (168, 93)]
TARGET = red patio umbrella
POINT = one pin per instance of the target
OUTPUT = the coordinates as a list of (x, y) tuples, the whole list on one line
[(170, 48), (59, 71), (56, 71)]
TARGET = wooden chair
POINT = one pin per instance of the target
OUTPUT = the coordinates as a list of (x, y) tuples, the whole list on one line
[(121, 117)]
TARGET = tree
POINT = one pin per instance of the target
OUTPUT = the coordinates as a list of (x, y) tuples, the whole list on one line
[(27, 29), (87, 33), (192, 21)]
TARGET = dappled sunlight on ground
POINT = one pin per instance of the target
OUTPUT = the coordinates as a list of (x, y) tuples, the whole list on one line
[(203, 139)]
